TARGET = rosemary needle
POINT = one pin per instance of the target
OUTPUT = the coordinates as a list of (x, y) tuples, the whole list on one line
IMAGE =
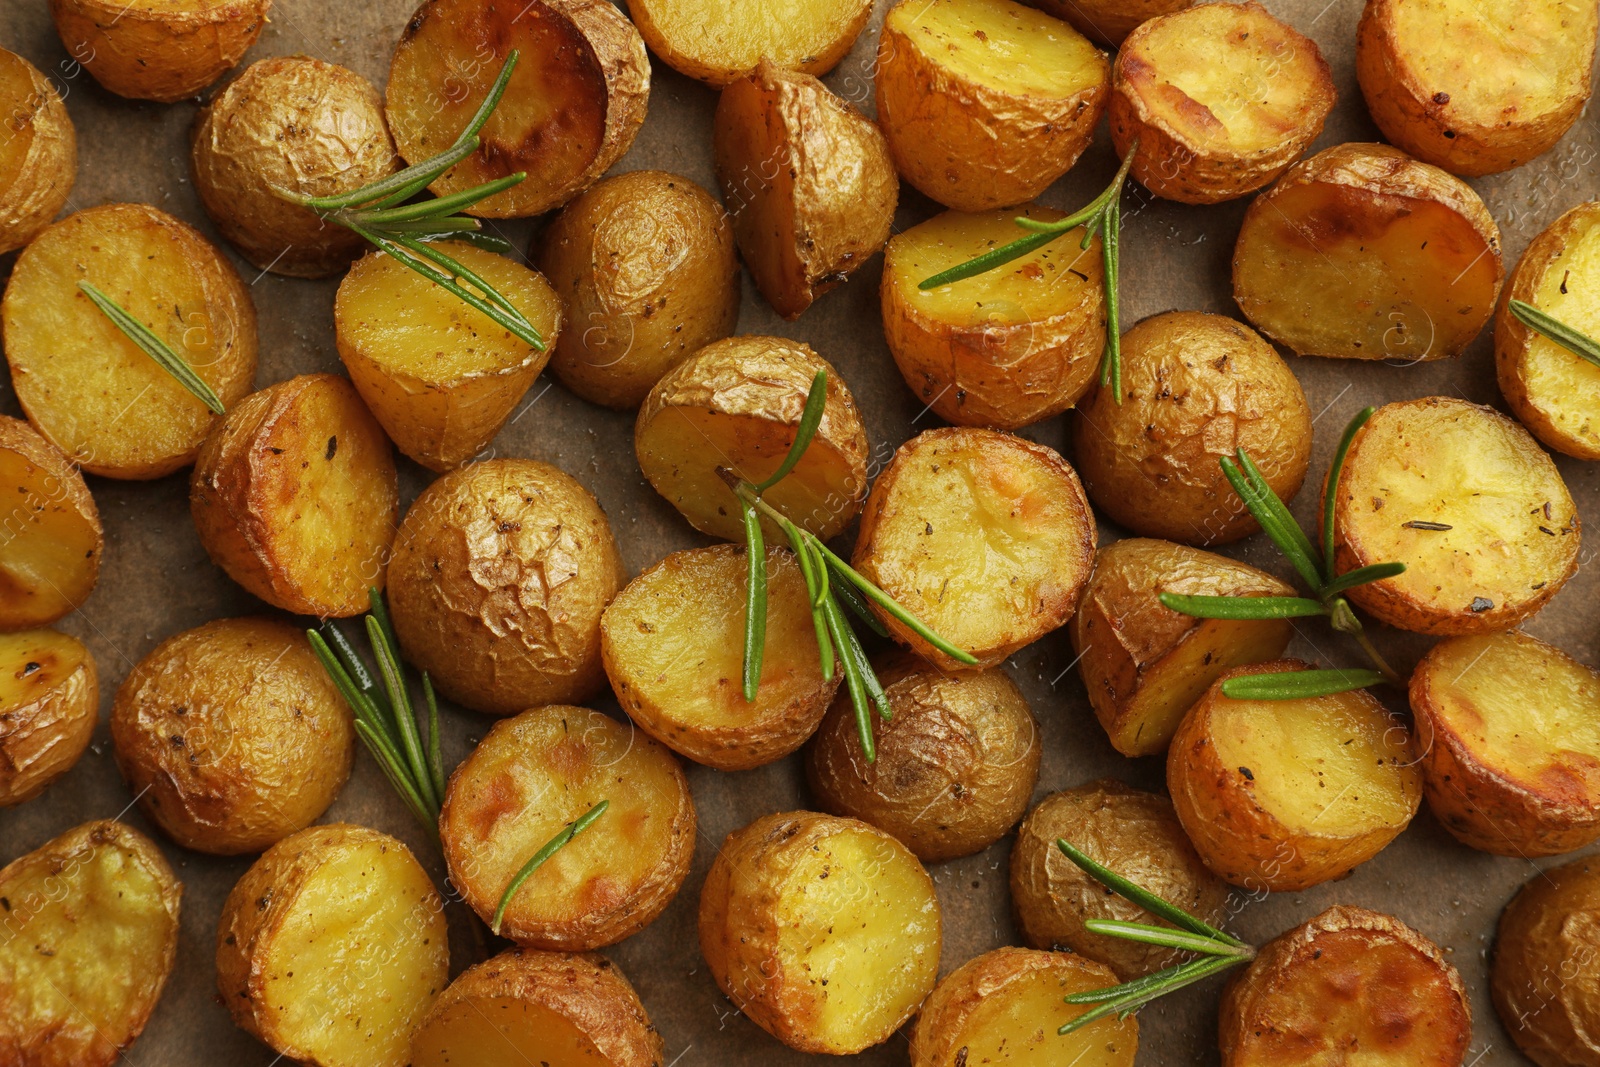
[(551, 847), (155, 348)]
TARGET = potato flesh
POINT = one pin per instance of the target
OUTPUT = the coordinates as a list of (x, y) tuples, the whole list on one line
[(732, 36), (47, 546), (1566, 387), (503, 1032), (1003, 45), (34, 663), (1171, 686), (1017, 1026)]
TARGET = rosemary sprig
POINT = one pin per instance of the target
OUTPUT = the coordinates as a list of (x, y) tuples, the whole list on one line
[(155, 348), (1102, 217), (1298, 685), (1575, 341), (551, 847)]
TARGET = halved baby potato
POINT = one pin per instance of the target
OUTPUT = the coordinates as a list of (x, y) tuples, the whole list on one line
[(1473, 507), (39, 155), (51, 535), (49, 704), (1108, 22), (719, 41), (1545, 986), (1361, 252), (163, 50)]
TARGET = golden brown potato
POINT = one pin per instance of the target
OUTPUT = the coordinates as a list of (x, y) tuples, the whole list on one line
[(1464, 497), (984, 537), (1361, 252), (1554, 393), (51, 534), (1347, 980), (644, 264), (808, 181), (1004, 349), (332, 948), (162, 50), (39, 155), (500, 573), (1196, 388), (439, 376), (823, 931), (737, 404), (532, 776), (1136, 834), (1108, 22), (1473, 88), (91, 931), (1282, 795), (1545, 986), (1511, 743), (297, 124), (294, 495), (573, 107), (673, 645), (85, 385), (525, 1008), (1144, 664), (232, 736), (49, 704), (719, 41)]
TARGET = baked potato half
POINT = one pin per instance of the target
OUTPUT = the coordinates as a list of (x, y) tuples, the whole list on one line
[(51, 536), (985, 103), (49, 704), (532, 776), (956, 763), (158, 49), (85, 384), (807, 180), (1543, 979), (719, 41), (572, 108), (294, 495), (985, 537), (39, 156), (1108, 22), (1469, 502), (823, 931), (1361, 252)]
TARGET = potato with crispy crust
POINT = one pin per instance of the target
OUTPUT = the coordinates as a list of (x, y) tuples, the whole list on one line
[(39, 155), (1509, 728), (823, 931), (1108, 22), (1361, 252), (956, 763), (332, 947), (552, 1009), (985, 103), (1474, 88), (1196, 389), (1347, 986), (1544, 982), (534, 775), (50, 538), (719, 41), (808, 181), (90, 935), (163, 50), (572, 108), (1469, 503), (985, 537), (49, 704), (294, 495)]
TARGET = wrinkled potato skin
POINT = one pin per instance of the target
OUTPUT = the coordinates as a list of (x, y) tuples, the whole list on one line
[(694, 38), (144, 52), (1544, 982), (1136, 834), (45, 733), (1108, 22), (68, 497), (45, 175)]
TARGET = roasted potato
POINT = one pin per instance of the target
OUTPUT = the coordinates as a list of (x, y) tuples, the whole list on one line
[(440, 377), (808, 181), (523, 1008), (91, 932), (1464, 497), (332, 948), (1361, 252), (1282, 795), (533, 775), (1004, 349), (955, 764), (232, 736), (1544, 980), (1144, 664), (673, 646), (573, 107), (49, 704), (294, 496), (51, 538), (1196, 388), (158, 49), (300, 125), (823, 931), (719, 41), (1108, 22), (985, 103), (1554, 393), (85, 384), (1348, 986), (39, 155), (1510, 740), (1136, 834), (644, 263), (984, 537), (1475, 89), (499, 576), (737, 404)]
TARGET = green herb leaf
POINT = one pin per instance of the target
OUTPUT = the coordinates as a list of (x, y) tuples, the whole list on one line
[(551, 847), (1372, 572), (1186, 974), (850, 597), (1243, 607), (810, 419), (1331, 490), (1578, 343), (838, 629), (808, 563), (1144, 898), (155, 348), (1163, 936), (1273, 516), (1298, 685), (755, 610)]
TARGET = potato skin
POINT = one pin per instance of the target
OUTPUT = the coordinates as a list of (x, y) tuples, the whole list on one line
[(48, 710), (158, 52), (41, 181), (1108, 22), (40, 470), (1543, 978), (719, 41)]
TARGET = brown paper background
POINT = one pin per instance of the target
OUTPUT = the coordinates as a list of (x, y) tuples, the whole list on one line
[(157, 580)]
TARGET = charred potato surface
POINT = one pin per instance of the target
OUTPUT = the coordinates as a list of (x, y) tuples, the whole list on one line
[(1108, 22), (49, 703), (719, 41), (1544, 982), (39, 155), (50, 538), (163, 50)]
